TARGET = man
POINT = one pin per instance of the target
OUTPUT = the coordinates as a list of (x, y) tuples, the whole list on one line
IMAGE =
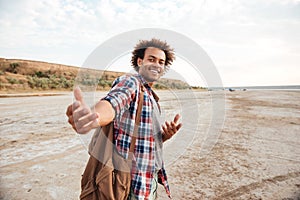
[(151, 59)]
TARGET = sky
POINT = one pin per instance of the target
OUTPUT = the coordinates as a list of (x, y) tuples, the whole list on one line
[(251, 43)]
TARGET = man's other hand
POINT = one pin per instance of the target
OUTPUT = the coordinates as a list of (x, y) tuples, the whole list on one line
[(171, 128)]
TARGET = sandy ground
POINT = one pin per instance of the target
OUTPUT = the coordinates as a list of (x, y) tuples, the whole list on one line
[(256, 155)]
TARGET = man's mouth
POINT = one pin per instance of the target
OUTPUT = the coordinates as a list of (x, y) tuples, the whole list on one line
[(155, 71)]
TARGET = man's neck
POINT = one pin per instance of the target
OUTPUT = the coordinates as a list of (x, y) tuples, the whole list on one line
[(146, 82)]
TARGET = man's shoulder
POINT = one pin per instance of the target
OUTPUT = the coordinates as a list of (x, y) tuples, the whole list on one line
[(127, 79)]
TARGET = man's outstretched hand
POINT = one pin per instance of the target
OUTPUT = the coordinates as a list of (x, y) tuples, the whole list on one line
[(171, 128), (80, 115)]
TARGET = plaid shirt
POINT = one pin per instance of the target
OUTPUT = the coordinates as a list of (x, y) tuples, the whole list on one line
[(124, 97)]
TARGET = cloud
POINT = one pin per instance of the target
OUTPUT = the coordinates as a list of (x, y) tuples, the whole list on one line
[(237, 34)]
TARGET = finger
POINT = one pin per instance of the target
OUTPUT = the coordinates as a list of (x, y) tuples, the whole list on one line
[(164, 129), (88, 127), (179, 126), (167, 134), (168, 125), (69, 111), (72, 108), (173, 126), (84, 129), (71, 120), (75, 106), (168, 128), (85, 121), (81, 113), (176, 118), (167, 131), (78, 95)]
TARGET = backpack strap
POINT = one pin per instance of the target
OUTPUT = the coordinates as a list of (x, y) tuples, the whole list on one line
[(137, 118)]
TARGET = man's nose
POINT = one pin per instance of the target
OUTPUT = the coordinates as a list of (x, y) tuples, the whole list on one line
[(158, 65)]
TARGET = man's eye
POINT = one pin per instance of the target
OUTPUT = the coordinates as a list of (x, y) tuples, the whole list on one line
[(151, 60)]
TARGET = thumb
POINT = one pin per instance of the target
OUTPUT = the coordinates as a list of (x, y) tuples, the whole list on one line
[(78, 94)]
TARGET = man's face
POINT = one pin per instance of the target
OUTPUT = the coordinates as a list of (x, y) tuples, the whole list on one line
[(151, 68)]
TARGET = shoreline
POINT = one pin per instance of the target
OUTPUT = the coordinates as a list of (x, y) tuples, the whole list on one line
[(32, 94), (9, 94)]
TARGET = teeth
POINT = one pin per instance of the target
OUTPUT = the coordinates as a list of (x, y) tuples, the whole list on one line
[(154, 71)]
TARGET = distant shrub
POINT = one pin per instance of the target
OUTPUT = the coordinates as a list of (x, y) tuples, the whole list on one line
[(13, 68), (171, 84), (12, 80), (51, 82), (104, 83), (37, 82), (41, 74), (64, 83), (159, 86)]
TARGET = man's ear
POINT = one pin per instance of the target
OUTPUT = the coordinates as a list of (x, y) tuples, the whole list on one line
[(140, 62)]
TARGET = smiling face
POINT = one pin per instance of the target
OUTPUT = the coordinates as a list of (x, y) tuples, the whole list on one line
[(151, 67)]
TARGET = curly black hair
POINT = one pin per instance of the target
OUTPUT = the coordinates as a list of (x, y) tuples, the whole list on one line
[(139, 52)]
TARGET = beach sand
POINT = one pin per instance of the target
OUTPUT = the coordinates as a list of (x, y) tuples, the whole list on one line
[(256, 154)]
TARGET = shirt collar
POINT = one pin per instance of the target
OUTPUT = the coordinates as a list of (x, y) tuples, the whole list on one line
[(143, 81), (147, 86)]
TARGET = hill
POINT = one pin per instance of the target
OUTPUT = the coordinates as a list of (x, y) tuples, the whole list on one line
[(18, 76)]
